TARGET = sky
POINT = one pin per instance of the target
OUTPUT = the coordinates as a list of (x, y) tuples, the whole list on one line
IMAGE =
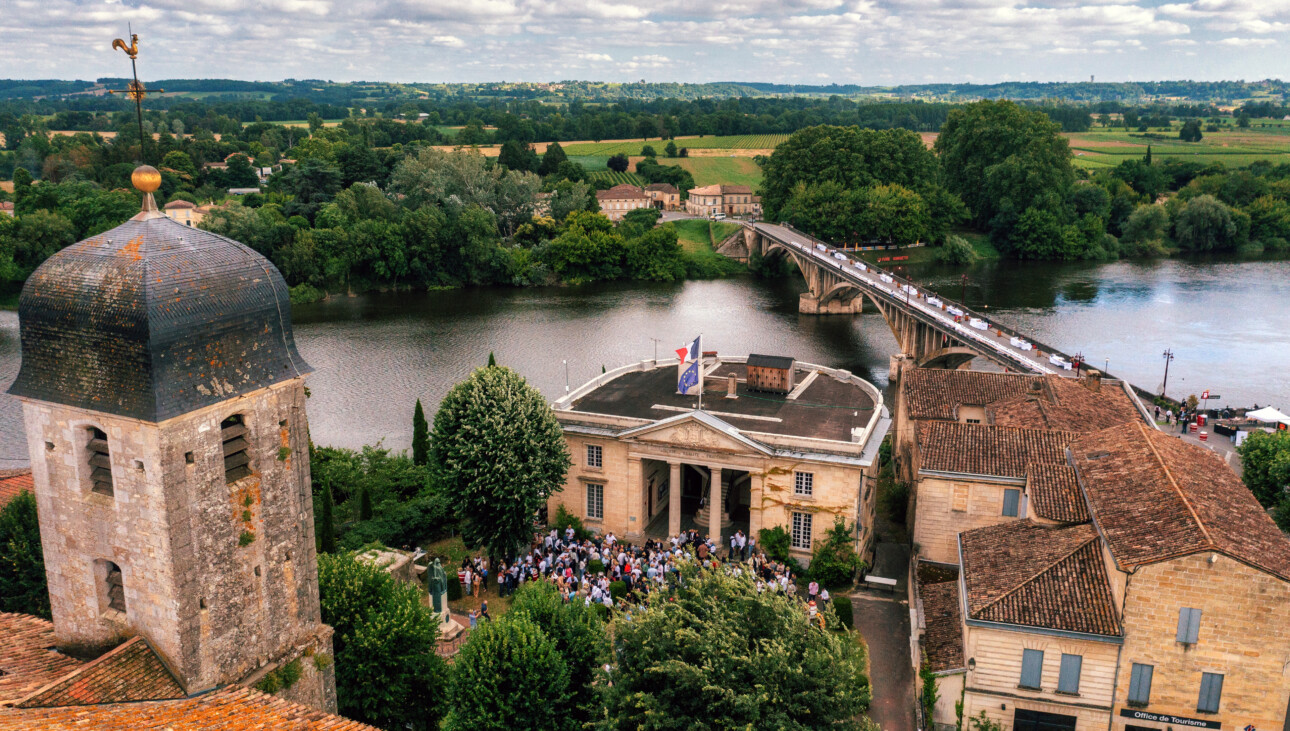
[(870, 42)]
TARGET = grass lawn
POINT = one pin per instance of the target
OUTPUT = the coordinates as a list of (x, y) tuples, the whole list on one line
[(697, 234), (591, 163), (1230, 146), (450, 552), (719, 170), (712, 142), (927, 254)]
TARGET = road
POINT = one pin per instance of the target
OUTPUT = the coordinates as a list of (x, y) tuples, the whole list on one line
[(952, 318)]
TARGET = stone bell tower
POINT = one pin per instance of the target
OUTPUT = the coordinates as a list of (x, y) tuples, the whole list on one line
[(164, 406)]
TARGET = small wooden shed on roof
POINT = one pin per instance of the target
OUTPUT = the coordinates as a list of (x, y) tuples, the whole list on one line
[(773, 373)]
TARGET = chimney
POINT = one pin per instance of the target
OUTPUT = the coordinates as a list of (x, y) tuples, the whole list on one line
[(731, 385), (1094, 381)]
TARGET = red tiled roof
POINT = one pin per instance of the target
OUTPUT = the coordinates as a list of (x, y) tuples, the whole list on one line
[(27, 657), (175, 205), (621, 192), (14, 482), (229, 709), (1051, 577), (1155, 498), (983, 449), (736, 189), (6, 205), (1055, 494), (662, 188), (943, 639), (1019, 400), (131, 672)]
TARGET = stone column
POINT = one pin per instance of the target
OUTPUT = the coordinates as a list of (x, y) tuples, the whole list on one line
[(634, 524), (674, 499), (716, 504), (754, 502)]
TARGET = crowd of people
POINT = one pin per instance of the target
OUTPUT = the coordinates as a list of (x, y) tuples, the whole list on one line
[(587, 569)]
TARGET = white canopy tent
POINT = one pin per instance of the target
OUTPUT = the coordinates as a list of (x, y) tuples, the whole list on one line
[(1268, 415)]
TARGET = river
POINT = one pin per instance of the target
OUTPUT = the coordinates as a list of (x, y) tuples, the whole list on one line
[(374, 355)]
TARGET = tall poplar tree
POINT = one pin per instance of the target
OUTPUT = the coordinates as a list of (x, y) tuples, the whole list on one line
[(420, 436)]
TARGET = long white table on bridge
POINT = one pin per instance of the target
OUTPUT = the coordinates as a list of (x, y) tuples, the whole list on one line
[(1016, 349)]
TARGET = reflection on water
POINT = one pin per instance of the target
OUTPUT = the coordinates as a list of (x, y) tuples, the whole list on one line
[(375, 355)]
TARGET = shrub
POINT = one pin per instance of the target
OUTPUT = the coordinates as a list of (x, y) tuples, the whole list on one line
[(22, 564), (775, 543), (564, 519), (618, 590), (454, 588), (1281, 514), (246, 539), (280, 678), (508, 675), (842, 605), (895, 498), (834, 561), (957, 251), (595, 567)]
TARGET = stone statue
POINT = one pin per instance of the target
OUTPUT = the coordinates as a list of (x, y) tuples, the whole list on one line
[(438, 588)]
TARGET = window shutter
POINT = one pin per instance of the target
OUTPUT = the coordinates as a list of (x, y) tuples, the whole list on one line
[(1032, 668), (1211, 692), (1010, 500), (1140, 683), (1188, 625), (1068, 680)]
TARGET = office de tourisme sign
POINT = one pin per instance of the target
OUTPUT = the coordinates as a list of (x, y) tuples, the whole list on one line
[(1167, 718)]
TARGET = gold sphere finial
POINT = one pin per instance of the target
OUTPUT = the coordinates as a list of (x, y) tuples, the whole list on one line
[(146, 178)]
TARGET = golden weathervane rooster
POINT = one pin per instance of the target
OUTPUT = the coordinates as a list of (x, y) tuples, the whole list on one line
[(135, 90)]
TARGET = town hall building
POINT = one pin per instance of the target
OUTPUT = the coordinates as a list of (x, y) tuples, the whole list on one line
[(776, 443)]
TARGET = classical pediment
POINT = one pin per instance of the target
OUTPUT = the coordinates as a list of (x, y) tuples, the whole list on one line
[(696, 430)]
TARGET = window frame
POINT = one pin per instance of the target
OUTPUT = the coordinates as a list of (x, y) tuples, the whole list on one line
[(803, 479), (1208, 691), (100, 473), (595, 500), (1064, 680), (240, 470), (1138, 695), (595, 456), (801, 523), (1028, 659)]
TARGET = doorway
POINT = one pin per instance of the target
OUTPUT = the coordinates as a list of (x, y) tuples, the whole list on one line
[(1025, 720)]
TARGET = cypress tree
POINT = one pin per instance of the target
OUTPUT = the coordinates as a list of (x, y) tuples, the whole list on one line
[(327, 523), (492, 361), (364, 504), (1148, 160), (420, 436)]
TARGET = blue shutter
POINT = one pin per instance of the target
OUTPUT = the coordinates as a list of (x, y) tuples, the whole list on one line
[(1188, 625), (1011, 498), (1211, 692), (1068, 680), (1032, 668), (1140, 684)]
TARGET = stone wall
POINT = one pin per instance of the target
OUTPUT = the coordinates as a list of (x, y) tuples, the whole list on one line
[(945, 508), (1244, 635), (220, 578), (998, 654)]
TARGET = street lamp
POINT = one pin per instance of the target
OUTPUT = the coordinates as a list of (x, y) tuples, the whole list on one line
[(566, 376), (1168, 355)]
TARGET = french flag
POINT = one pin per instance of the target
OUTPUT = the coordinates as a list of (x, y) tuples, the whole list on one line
[(690, 353)]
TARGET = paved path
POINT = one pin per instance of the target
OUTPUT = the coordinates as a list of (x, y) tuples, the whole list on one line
[(971, 328), (884, 624)]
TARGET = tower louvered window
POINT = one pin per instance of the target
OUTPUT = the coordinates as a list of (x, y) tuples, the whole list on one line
[(115, 587), (100, 462), (237, 460)]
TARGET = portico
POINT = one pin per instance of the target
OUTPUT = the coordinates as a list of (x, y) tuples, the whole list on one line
[(747, 462)]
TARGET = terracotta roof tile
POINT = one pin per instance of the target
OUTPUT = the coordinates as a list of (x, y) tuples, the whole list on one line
[(982, 449), (943, 639), (231, 709), (1155, 498), (1055, 494), (621, 192), (1019, 400), (662, 188), (131, 672), (1051, 577), (13, 482), (27, 660)]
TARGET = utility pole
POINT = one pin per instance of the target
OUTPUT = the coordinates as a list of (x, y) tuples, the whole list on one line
[(655, 349), (1169, 355), (566, 376)]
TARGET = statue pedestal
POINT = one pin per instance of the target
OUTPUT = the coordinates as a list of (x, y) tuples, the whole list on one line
[(449, 629)]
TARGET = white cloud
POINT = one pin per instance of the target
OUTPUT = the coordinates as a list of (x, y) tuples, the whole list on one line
[(1245, 42)]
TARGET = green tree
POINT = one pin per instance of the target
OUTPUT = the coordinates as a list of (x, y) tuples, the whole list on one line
[(240, 174), (648, 151), (311, 182), (518, 156), (364, 503), (508, 677), (420, 436), (498, 449), (618, 163), (670, 148), (1144, 231), (315, 122), (551, 159), (22, 564), (1205, 224), (387, 671), (579, 637), (1190, 131), (39, 235), (1265, 465), (723, 655), (834, 562)]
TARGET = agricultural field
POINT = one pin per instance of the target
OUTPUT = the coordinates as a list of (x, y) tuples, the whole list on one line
[(633, 147), (719, 170), (616, 178), (591, 163), (1230, 146)]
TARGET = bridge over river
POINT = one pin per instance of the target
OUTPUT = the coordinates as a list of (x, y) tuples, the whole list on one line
[(932, 330)]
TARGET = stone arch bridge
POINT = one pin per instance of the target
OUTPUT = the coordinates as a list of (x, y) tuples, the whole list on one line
[(932, 331)]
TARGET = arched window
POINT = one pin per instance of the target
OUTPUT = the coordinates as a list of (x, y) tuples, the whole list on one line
[(237, 460), (100, 461)]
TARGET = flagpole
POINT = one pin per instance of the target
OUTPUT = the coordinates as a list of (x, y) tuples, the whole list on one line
[(700, 359)]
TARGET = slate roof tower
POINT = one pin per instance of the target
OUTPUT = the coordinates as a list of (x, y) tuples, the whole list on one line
[(164, 406)]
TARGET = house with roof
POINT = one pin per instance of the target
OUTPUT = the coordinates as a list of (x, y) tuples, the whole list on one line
[(184, 212), (6, 208), (728, 200), (618, 200), (665, 197), (1165, 608), (980, 449)]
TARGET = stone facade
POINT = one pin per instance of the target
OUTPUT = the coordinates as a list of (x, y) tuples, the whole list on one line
[(220, 578), (729, 200), (1244, 635), (618, 200), (944, 508)]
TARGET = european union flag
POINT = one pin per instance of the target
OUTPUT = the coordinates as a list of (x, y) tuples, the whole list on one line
[(689, 378)]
